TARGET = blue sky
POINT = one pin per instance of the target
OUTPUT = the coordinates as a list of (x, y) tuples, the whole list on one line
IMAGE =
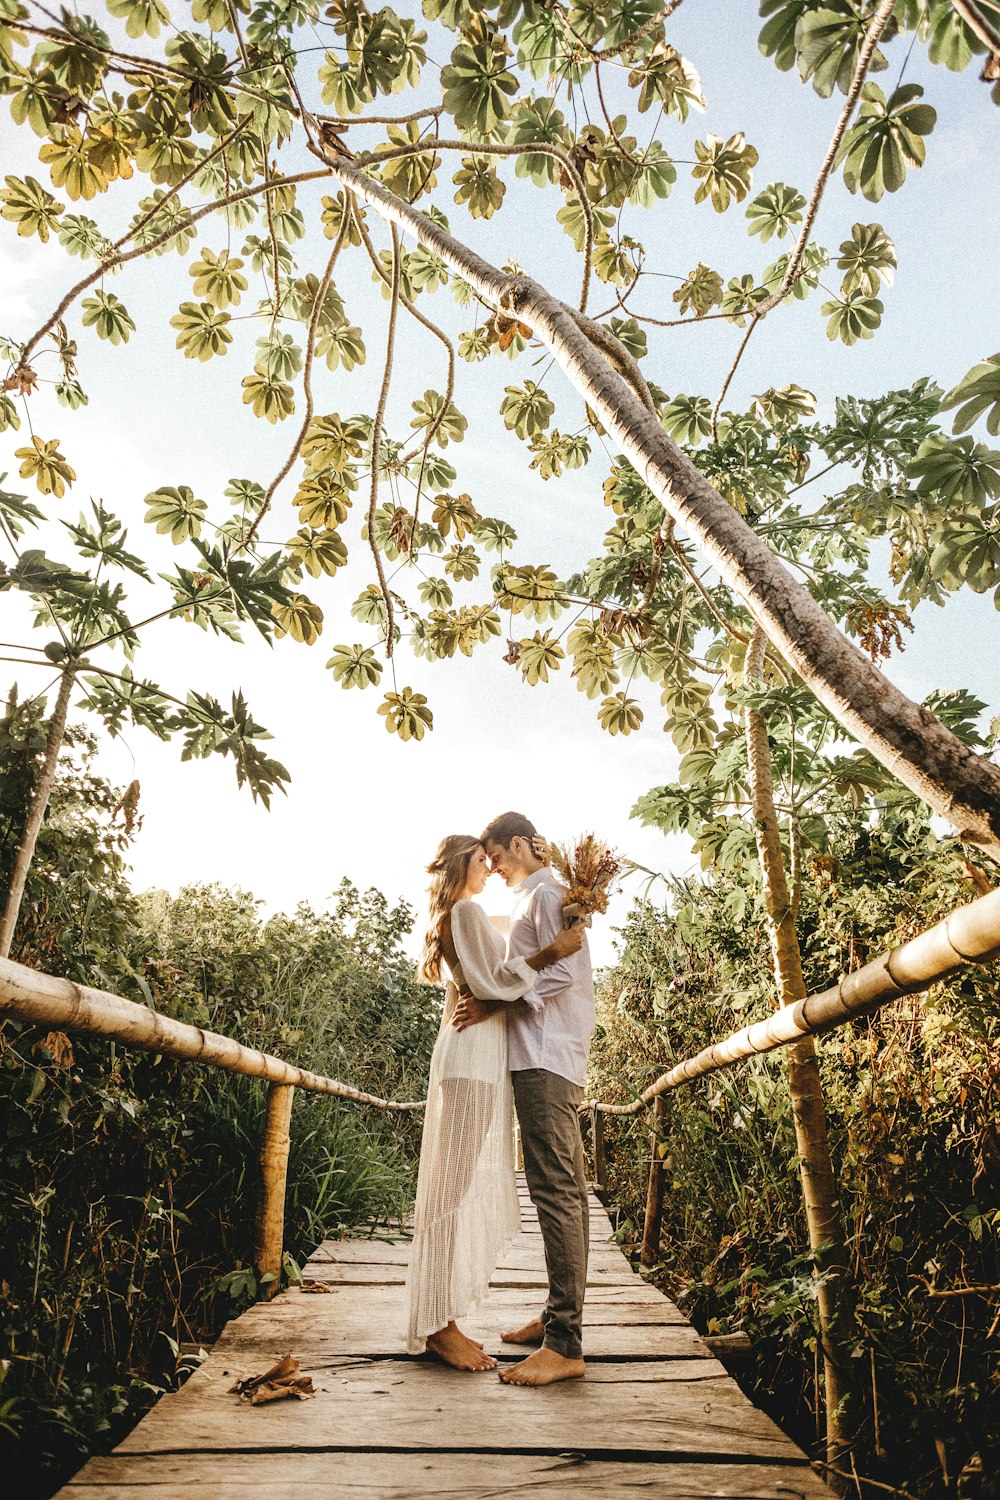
[(362, 804)]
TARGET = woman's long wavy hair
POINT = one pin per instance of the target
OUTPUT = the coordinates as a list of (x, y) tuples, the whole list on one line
[(449, 872)]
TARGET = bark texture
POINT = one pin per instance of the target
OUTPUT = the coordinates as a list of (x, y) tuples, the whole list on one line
[(36, 815), (909, 741), (273, 1177), (653, 1221), (816, 1171)]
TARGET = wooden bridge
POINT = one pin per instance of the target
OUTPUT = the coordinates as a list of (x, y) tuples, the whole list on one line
[(656, 1413)]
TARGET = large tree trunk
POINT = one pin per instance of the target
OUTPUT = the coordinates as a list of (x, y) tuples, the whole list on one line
[(910, 742), (819, 1183), (36, 813)]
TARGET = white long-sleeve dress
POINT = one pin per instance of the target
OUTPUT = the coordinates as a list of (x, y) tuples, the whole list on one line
[(467, 1208)]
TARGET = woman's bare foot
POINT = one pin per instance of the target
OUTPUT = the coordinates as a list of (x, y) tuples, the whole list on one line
[(462, 1353), (544, 1367), (531, 1333)]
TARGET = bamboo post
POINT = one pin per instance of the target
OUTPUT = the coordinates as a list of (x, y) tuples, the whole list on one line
[(274, 1173), (653, 1222), (597, 1141)]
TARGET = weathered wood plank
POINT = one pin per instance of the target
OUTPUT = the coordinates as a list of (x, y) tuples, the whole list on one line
[(398, 1405), (464, 1476)]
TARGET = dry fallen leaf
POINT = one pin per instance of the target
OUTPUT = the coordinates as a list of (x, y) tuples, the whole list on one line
[(281, 1382)]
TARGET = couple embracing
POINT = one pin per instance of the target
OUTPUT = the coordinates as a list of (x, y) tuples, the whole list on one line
[(518, 1017)]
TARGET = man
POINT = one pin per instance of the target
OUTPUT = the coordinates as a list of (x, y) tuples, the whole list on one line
[(548, 1045)]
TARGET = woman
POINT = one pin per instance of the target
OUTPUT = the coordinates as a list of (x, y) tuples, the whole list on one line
[(467, 1207)]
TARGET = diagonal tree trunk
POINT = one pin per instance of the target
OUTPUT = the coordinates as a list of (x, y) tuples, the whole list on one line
[(910, 742), (819, 1182), (36, 814)]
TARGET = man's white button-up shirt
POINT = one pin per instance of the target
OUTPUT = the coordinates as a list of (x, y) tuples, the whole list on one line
[(551, 1029)]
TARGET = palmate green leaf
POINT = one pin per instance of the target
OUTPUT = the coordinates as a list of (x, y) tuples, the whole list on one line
[(342, 347), (539, 655), (406, 714), (619, 714), (652, 180), (436, 593), (81, 236), (211, 729), (452, 426), (612, 261), (355, 666), (959, 471), (31, 207), (332, 219), (478, 86), (458, 512), (318, 552), (967, 550), (538, 120), (494, 535), (10, 419), (631, 337), (594, 668), (687, 419), (479, 186), (44, 463), (828, 42), (474, 346), (17, 511), (557, 452), (269, 397), (409, 177), (427, 271), (868, 259), (173, 216), (774, 211), (724, 170), (777, 38), (886, 141), (666, 79), (950, 40), (321, 501), (69, 393), (526, 409), (852, 317), (740, 297), (141, 17), (534, 591), (300, 618), (571, 217), (279, 354), (700, 291), (332, 442), (462, 563), (175, 511), (976, 395), (71, 166), (217, 278), (202, 330), (814, 260), (547, 49), (790, 403), (108, 317)]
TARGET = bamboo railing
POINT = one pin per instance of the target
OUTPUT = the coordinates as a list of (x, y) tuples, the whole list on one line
[(969, 935), (44, 1000)]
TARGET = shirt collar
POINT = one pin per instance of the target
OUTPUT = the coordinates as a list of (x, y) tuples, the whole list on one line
[(530, 881)]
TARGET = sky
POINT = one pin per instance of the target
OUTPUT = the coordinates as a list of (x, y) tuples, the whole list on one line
[(361, 803)]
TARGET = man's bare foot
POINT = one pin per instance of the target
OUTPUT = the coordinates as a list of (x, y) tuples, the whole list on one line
[(531, 1333), (462, 1353), (544, 1367)]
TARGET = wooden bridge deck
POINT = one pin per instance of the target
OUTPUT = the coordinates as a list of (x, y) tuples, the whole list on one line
[(656, 1413)]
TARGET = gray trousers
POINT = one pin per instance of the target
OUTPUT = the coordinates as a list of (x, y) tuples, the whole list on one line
[(547, 1111)]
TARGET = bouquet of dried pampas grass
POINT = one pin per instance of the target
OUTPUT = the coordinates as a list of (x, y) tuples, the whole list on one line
[(587, 868)]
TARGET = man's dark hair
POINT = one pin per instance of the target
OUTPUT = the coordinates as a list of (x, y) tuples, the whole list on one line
[(509, 825)]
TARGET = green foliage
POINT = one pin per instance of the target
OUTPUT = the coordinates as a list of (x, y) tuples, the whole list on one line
[(913, 1131), (129, 1188)]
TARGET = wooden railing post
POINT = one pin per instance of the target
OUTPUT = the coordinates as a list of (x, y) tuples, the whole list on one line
[(274, 1173), (597, 1142), (654, 1192)]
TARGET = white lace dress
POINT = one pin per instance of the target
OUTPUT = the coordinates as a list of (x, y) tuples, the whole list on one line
[(467, 1208)]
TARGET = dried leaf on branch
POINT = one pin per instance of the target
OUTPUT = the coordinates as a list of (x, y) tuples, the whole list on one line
[(282, 1382)]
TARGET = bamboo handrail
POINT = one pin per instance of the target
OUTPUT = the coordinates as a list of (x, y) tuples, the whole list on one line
[(968, 935), (44, 1000)]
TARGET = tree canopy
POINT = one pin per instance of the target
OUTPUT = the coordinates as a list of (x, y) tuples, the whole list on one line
[(239, 136)]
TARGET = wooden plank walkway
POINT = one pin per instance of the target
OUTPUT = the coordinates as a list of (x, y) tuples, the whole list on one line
[(656, 1413)]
